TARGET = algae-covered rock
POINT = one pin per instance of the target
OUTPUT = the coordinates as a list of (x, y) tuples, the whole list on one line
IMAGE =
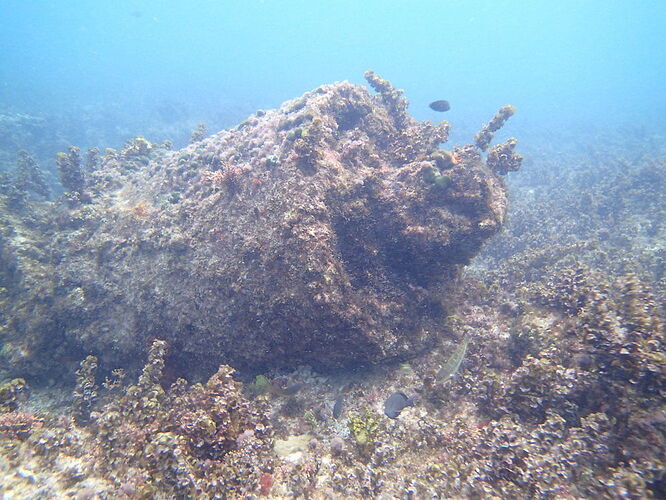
[(313, 233)]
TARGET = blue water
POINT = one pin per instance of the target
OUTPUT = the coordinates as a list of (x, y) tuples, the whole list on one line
[(562, 64)]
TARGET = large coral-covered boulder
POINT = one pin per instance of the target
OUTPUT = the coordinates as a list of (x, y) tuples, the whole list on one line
[(327, 232)]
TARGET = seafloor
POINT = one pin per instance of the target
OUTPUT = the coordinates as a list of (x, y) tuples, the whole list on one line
[(559, 393)]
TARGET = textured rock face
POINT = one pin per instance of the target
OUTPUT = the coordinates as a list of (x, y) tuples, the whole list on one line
[(324, 232)]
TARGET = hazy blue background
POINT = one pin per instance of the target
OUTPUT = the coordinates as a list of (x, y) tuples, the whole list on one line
[(562, 63)]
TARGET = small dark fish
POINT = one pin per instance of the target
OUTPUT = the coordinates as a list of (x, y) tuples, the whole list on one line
[(396, 403), (440, 106), (338, 406)]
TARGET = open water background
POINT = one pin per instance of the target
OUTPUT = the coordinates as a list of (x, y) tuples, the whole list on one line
[(106, 71)]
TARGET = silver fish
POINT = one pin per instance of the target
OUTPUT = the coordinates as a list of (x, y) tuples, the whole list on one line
[(451, 366)]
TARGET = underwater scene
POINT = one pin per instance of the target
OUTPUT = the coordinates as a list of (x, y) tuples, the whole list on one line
[(332, 250)]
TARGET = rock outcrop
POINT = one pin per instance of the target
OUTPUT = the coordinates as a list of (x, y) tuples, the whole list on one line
[(326, 232)]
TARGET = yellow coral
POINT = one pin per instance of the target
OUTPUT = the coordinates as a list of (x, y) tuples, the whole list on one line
[(363, 428)]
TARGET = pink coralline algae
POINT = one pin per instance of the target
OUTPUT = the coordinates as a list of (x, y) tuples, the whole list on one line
[(266, 484), (18, 424)]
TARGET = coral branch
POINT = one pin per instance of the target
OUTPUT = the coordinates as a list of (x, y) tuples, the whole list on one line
[(85, 392), (503, 159), (485, 135), (71, 173)]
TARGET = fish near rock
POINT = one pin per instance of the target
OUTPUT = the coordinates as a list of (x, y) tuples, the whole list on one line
[(338, 406), (395, 403), (452, 364)]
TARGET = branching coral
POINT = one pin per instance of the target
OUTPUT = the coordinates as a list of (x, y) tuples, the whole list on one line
[(92, 160), (485, 135), (29, 177), (85, 392), (71, 173), (503, 159), (198, 134), (392, 96)]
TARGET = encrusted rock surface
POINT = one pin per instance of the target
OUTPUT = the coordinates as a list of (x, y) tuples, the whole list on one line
[(327, 232)]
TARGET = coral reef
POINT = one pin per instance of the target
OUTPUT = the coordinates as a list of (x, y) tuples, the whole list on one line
[(23, 131), (188, 441), (329, 232), (543, 376), (562, 397), (602, 205)]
